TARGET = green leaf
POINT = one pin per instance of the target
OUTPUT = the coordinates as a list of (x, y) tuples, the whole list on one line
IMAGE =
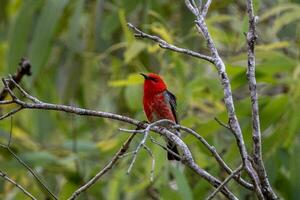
[(286, 19), (128, 35), (133, 96), (182, 183), (44, 31), (133, 50), (273, 46), (132, 79), (276, 10), (74, 25), (19, 33)]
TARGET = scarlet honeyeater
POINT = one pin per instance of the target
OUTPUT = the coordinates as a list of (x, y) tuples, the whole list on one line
[(159, 104)]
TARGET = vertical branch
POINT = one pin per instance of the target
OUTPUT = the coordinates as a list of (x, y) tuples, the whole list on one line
[(256, 132), (228, 99)]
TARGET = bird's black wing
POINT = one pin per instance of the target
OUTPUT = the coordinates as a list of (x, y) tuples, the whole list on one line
[(171, 99)]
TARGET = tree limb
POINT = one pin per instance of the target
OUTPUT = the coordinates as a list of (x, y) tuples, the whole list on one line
[(24, 69), (7, 147), (187, 158), (2, 174), (113, 161), (233, 174), (165, 45), (256, 132)]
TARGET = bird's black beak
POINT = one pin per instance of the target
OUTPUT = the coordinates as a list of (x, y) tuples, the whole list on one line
[(144, 75)]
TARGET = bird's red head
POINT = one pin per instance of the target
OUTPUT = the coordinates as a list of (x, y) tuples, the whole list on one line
[(153, 84)]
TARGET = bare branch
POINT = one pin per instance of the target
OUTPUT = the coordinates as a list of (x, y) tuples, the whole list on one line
[(4, 102), (115, 158), (233, 174), (2, 174), (165, 148), (223, 124), (187, 158), (7, 147), (256, 132), (153, 162), (14, 111), (142, 143), (165, 45), (228, 99), (205, 8), (25, 94), (192, 8), (24, 69), (218, 158)]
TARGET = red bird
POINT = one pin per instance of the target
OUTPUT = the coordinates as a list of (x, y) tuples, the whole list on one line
[(159, 103)]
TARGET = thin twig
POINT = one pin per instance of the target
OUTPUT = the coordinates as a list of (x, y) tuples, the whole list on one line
[(223, 124), (256, 132), (12, 112), (165, 148), (25, 94), (24, 69), (153, 162), (131, 131), (205, 8), (234, 173), (7, 147), (6, 102), (28, 168), (142, 143), (115, 158), (2, 174), (165, 45)]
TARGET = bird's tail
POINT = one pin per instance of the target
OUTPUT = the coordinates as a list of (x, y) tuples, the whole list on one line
[(173, 148)]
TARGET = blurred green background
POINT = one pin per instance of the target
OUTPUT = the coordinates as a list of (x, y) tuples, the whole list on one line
[(84, 55)]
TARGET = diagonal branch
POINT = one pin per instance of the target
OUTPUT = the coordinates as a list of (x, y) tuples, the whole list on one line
[(24, 69), (165, 45), (29, 169), (233, 174), (2, 174), (218, 158), (256, 132), (113, 161), (205, 8)]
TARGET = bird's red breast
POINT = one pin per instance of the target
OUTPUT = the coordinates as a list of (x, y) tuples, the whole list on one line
[(156, 99), (159, 103)]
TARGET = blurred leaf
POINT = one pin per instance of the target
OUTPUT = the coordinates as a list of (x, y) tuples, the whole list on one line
[(44, 32), (27, 141), (273, 46), (67, 190), (133, 50), (159, 29), (183, 186), (286, 18), (133, 96), (107, 144), (276, 10), (19, 33), (132, 79), (126, 31)]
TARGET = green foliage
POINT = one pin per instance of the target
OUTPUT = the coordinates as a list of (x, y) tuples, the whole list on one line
[(83, 54)]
